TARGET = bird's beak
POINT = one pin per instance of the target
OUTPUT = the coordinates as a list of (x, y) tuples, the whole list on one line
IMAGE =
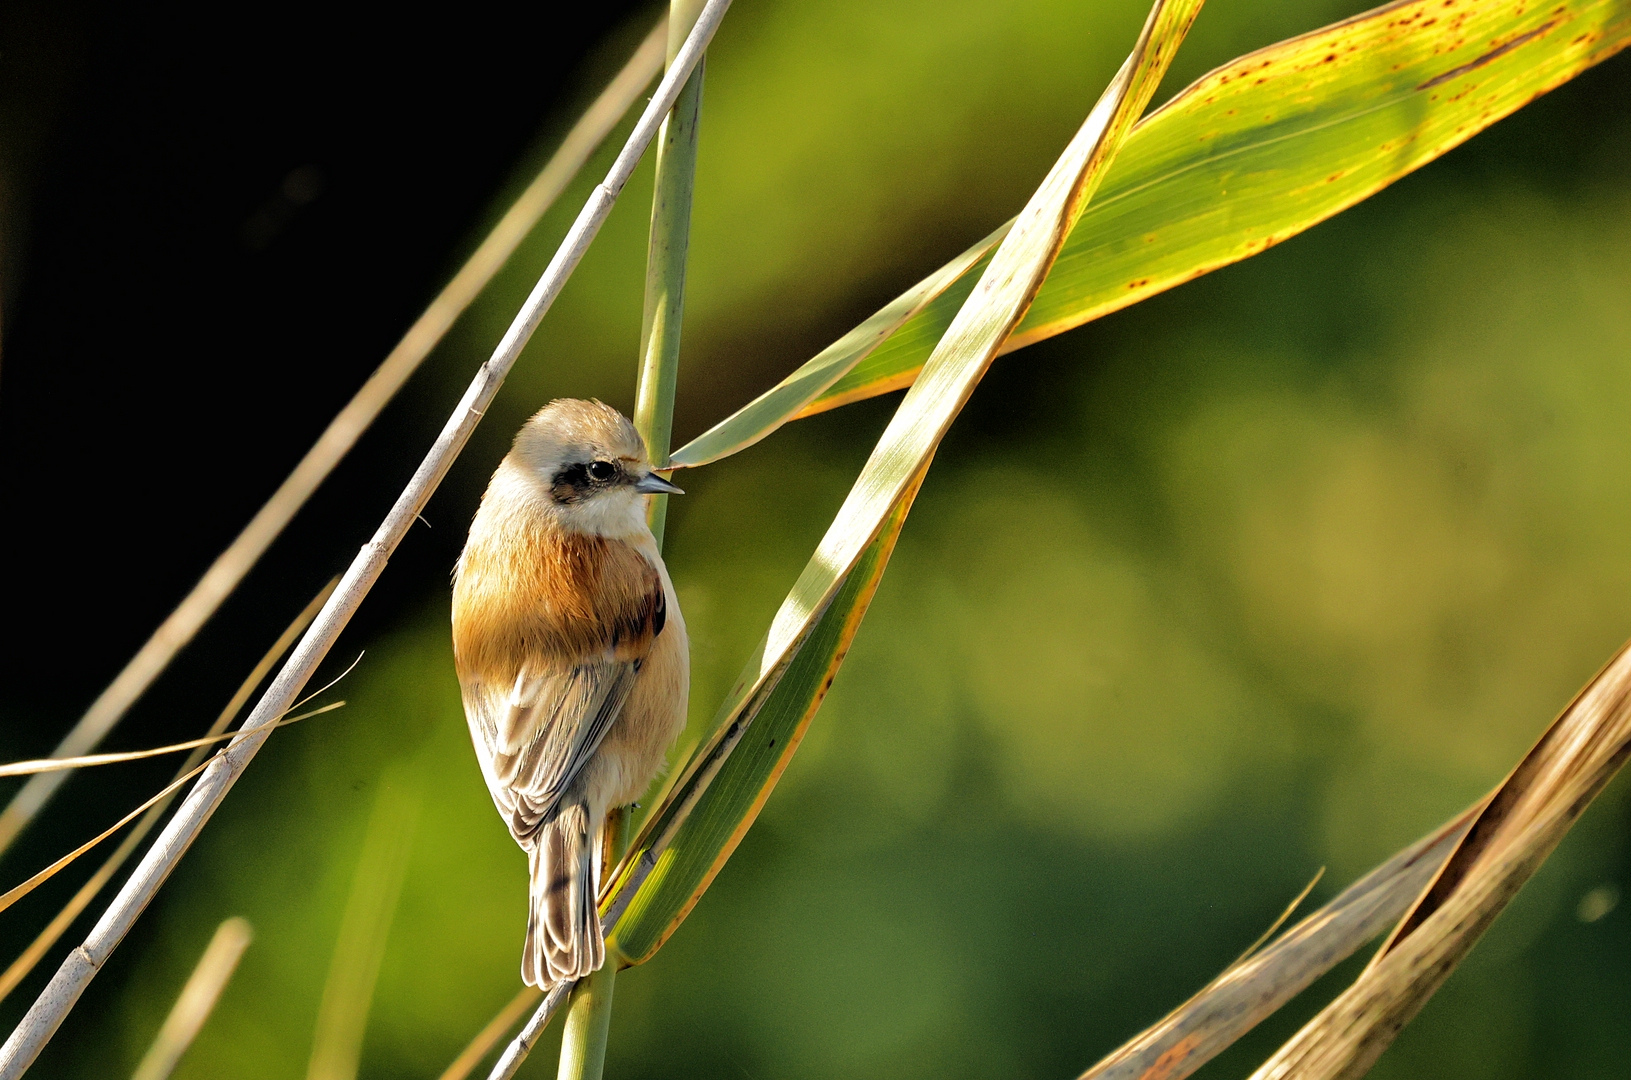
[(652, 484)]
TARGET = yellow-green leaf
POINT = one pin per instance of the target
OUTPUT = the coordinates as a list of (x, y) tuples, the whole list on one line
[(673, 860), (1253, 153)]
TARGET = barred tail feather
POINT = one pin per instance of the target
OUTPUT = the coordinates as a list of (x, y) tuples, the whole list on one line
[(563, 927)]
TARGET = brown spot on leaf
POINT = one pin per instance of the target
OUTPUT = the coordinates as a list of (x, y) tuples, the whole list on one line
[(1170, 1063), (1492, 54)]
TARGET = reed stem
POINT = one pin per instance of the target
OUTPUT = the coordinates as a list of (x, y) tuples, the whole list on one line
[(665, 261), (589, 1012)]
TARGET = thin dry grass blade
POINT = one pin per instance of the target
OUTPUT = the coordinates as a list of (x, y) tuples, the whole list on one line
[(197, 999), (345, 429), (48, 937), (648, 898), (155, 803), (17, 892), (1516, 829), (1274, 927), (348, 994), (43, 765), (489, 1036)]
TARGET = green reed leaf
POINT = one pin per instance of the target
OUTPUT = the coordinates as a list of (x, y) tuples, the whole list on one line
[(1251, 154)]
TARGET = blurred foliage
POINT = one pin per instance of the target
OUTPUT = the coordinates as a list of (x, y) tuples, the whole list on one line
[(1274, 571)]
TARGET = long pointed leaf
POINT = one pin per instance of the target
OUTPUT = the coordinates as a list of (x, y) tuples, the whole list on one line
[(1251, 154), (687, 839)]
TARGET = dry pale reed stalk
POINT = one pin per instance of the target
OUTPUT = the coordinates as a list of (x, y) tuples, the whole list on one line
[(81, 966), (197, 999), (489, 1036), (348, 994), (1517, 828), (346, 428), (516, 1053)]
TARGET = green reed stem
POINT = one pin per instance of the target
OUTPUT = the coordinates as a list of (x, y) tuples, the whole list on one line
[(589, 1010), (665, 261)]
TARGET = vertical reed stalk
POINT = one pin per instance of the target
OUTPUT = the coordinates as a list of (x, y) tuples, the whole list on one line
[(588, 1022), (589, 1012), (665, 260)]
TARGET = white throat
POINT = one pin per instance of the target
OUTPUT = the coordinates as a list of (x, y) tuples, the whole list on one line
[(618, 514)]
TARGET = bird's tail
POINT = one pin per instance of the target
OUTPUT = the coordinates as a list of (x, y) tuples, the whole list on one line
[(563, 925)]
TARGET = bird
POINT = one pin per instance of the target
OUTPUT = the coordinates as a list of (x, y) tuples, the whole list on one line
[(572, 659)]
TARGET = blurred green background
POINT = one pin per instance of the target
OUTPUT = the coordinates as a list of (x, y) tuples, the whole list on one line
[(1272, 572)]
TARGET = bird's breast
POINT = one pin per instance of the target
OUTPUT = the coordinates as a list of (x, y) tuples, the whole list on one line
[(524, 595)]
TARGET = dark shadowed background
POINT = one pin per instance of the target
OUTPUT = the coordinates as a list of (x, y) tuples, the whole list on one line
[(1274, 571)]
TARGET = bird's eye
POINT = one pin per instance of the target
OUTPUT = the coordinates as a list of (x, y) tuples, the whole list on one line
[(601, 471)]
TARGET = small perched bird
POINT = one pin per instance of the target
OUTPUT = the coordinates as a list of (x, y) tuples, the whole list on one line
[(572, 659)]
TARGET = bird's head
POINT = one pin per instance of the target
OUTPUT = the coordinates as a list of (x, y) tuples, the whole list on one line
[(586, 467)]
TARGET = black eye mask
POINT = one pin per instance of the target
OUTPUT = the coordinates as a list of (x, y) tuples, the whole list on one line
[(581, 479)]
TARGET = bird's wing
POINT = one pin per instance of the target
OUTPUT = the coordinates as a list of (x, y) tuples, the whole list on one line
[(556, 733), (537, 734)]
